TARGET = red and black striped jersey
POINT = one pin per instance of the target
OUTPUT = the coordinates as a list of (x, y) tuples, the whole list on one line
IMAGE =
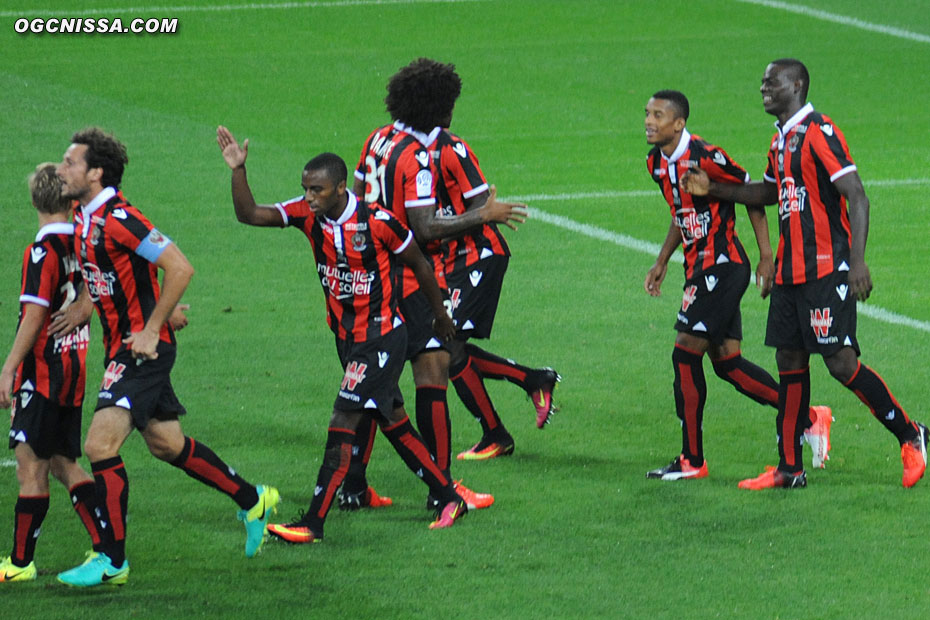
[(55, 367), (117, 248), (355, 262), (707, 225), (399, 174), (460, 179), (806, 156)]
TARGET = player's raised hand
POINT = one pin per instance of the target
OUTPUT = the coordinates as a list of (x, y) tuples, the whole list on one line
[(234, 154), (696, 182), (504, 212)]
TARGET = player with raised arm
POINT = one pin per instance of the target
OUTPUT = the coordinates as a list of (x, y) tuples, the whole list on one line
[(716, 276), (820, 270), (357, 249), (120, 254), (43, 380)]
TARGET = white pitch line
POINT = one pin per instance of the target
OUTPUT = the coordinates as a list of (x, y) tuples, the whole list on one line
[(648, 247), (8, 463), (218, 8), (841, 19)]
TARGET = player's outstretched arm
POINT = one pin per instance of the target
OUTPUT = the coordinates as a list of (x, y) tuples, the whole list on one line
[(26, 335), (413, 258), (860, 280), (247, 211), (427, 225), (697, 183), (765, 270), (656, 273)]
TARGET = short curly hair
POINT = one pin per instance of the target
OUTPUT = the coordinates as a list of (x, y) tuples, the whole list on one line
[(103, 151), (422, 94), (45, 188)]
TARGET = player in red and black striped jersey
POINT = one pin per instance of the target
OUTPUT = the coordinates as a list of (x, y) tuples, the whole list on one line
[(356, 248), (120, 253), (396, 169), (717, 273), (821, 272), (45, 375), (474, 265)]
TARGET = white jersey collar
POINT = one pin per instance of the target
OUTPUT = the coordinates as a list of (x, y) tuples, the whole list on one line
[(100, 199), (425, 139), (681, 148), (55, 228)]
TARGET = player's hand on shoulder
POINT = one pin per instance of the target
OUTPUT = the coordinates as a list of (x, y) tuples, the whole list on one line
[(695, 182), (234, 154)]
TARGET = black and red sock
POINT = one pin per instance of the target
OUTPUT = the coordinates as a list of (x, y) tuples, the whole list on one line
[(84, 500), (432, 412), (356, 480), (409, 445), (872, 390), (29, 513), (201, 463), (690, 394), (336, 459), (469, 385), (112, 486), (748, 379), (794, 398), (495, 367)]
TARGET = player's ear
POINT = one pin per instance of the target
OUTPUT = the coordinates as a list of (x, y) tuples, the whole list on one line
[(341, 188)]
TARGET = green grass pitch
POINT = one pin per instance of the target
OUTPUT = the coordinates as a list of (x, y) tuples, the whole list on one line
[(553, 105)]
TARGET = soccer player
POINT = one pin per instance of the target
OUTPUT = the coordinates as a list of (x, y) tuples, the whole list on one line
[(120, 254), (356, 248), (820, 272), (398, 168), (716, 276), (45, 376)]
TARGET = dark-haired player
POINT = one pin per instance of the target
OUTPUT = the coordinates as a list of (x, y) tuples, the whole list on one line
[(717, 273), (120, 254), (398, 168), (45, 376), (356, 249), (823, 215)]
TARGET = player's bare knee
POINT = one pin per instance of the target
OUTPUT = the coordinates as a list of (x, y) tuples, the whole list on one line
[(842, 366)]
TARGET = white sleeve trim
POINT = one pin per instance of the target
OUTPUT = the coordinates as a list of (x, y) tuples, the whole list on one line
[(843, 172), (423, 202), (475, 191), (768, 178), (31, 299), (359, 175), (283, 213), (404, 245)]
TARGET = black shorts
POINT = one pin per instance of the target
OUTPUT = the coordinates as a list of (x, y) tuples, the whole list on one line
[(372, 370), (144, 389), (818, 317), (710, 303), (47, 427), (475, 292), (418, 317)]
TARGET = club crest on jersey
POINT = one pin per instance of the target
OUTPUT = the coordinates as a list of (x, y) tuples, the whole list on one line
[(424, 184), (112, 374), (688, 298), (355, 374), (793, 143), (95, 235), (821, 322), (459, 148), (358, 242), (37, 255)]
